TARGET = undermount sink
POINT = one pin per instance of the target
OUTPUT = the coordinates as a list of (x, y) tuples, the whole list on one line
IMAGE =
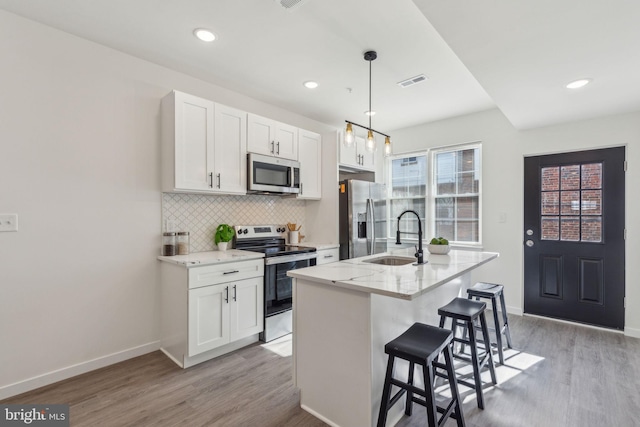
[(391, 260)]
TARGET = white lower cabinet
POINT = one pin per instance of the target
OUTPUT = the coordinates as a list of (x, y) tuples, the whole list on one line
[(210, 310), (220, 314)]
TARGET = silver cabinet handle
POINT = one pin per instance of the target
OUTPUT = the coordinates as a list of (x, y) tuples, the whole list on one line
[(328, 256), (235, 293), (211, 180), (272, 147), (301, 188), (219, 181), (278, 148), (226, 298)]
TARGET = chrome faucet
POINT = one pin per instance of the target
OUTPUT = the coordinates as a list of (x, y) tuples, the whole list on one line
[(419, 253)]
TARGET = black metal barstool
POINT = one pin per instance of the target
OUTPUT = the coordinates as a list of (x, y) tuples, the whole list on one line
[(464, 313), (422, 345), (494, 292)]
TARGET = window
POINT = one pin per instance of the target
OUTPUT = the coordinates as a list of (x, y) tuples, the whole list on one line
[(443, 187)]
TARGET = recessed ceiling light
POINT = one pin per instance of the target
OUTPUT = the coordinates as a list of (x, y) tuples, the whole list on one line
[(204, 34), (576, 84), (310, 84), (369, 113)]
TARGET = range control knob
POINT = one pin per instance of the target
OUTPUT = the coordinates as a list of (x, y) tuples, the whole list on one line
[(246, 230), (240, 231)]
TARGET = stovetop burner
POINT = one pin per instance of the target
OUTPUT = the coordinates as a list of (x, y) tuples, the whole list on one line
[(267, 239)]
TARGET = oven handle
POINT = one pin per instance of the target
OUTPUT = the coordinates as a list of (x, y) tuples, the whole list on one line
[(289, 258)]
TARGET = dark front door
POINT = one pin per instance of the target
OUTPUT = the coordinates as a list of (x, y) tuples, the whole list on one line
[(574, 236)]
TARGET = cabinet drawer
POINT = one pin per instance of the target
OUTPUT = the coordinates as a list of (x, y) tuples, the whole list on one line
[(222, 273), (328, 255)]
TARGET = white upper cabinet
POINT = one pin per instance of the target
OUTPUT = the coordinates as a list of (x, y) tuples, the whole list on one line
[(272, 138), (356, 156), (310, 157), (204, 146), (230, 149)]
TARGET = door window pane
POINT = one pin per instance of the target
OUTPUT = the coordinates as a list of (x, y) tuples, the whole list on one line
[(550, 203), (591, 229), (550, 228), (592, 176), (570, 228), (570, 177), (591, 202), (550, 179), (570, 202)]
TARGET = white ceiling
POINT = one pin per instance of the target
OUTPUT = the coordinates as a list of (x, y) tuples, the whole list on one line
[(516, 55)]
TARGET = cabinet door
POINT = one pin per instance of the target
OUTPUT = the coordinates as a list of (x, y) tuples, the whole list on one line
[(286, 141), (246, 308), (310, 156), (261, 136), (208, 318), (193, 142), (348, 155), (230, 164), (367, 159)]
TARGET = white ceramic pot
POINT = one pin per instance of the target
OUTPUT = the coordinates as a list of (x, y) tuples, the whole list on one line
[(438, 249), (222, 246)]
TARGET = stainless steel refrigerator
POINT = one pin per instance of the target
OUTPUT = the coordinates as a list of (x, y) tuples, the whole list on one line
[(362, 218)]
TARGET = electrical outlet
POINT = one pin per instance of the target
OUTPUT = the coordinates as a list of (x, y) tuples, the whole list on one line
[(8, 222)]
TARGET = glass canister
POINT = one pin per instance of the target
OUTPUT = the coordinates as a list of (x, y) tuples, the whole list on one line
[(169, 243), (183, 243)]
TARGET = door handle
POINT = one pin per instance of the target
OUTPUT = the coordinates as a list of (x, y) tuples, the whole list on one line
[(211, 180), (226, 298), (278, 148), (235, 293), (272, 147), (219, 181)]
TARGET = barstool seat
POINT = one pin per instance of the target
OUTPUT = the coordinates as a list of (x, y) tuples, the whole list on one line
[(422, 345), (494, 292), (464, 313)]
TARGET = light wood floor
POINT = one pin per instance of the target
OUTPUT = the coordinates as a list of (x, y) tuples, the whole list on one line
[(559, 375)]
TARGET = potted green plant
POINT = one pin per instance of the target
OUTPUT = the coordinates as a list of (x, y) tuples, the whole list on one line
[(439, 246), (224, 234)]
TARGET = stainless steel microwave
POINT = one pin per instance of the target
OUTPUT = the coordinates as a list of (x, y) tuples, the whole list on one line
[(272, 175)]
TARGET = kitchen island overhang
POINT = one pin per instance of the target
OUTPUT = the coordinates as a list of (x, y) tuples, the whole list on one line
[(344, 314)]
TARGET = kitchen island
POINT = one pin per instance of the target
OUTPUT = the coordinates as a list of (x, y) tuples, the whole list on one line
[(344, 314)]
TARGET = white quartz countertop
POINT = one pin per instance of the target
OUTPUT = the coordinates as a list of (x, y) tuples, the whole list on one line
[(211, 257), (405, 281)]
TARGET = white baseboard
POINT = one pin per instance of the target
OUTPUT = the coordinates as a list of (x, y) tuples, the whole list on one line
[(77, 369), (514, 310), (632, 332)]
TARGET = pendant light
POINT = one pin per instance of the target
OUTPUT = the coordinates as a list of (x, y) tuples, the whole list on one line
[(370, 142)]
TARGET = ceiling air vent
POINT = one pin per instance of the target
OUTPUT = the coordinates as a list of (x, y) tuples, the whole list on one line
[(290, 4), (412, 81)]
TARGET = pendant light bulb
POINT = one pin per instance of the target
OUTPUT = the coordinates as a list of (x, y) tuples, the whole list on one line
[(349, 137), (387, 146), (370, 144)]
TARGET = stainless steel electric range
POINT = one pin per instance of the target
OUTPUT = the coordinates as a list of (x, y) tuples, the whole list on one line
[(279, 259)]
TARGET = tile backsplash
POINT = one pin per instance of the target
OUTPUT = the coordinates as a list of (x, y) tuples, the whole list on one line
[(200, 214)]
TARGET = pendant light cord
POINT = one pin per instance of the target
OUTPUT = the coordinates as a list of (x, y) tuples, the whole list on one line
[(370, 94)]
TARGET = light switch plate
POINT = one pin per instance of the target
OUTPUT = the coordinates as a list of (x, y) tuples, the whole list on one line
[(8, 222)]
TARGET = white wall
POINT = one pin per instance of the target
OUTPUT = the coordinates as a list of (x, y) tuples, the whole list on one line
[(503, 151), (79, 164)]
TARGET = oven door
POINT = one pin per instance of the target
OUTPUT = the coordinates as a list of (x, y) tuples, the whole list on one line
[(278, 296), (272, 175), (278, 289)]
